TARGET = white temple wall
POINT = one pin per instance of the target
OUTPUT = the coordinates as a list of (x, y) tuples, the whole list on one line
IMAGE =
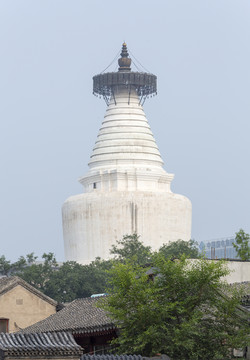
[(92, 222)]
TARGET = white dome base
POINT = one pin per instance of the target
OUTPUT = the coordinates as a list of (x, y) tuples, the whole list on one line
[(93, 222)]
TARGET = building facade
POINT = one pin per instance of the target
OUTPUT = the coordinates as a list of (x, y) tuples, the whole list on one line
[(22, 305)]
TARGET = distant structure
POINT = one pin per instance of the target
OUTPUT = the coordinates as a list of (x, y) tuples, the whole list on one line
[(219, 248), (126, 188)]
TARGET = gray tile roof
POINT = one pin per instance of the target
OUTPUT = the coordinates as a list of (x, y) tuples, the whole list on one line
[(31, 345), (81, 316), (123, 357), (112, 357), (8, 283)]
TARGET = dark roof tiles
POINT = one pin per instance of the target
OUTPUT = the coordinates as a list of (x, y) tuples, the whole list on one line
[(81, 316), (26, 345), (112, 357), (123, 357)]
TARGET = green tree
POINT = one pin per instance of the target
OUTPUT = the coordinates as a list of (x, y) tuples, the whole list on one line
[(11, 268), (22, 263), (66, 282), (178, 248), (36, 274), (73, 280), (186, 311), (242, 245), (130, 247), (5, 266), (70, 280)]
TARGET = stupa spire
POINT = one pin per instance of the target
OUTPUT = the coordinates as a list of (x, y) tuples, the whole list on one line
[(124, 61), (125, 143)]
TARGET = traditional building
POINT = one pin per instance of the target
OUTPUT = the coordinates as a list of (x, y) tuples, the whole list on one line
[(126, 188), (123, 357), (59, 346), (89, 324), (22, 305)]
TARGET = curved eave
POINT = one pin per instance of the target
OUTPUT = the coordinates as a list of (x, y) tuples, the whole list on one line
[(95, 330)]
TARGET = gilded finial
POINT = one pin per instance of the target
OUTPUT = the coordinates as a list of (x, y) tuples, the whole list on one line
[(124, 61)]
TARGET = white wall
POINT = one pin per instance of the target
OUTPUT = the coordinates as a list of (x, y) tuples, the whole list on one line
[(240, 271)]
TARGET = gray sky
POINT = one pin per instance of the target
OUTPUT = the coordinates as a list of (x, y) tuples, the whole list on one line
[(49, 51)]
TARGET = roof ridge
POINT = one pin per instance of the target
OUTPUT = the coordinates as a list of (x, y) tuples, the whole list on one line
[(15, 280)]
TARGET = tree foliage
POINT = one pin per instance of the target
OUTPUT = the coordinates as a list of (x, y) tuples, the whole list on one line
[(5, 266), (186, 311), (73, 280), (63, 283), (178, 248), (69, 281), (130, 247), (37, 274), (242, 245)]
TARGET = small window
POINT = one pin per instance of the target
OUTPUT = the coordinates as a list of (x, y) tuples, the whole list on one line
[(4, 325), (94, 185)]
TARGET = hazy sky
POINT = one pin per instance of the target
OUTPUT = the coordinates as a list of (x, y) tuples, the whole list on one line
[(49, 51)]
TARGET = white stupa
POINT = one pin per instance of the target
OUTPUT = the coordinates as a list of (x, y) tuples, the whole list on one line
[(126, 189)]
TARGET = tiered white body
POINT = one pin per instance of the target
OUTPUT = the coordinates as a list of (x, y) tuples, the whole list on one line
[(126, 188)]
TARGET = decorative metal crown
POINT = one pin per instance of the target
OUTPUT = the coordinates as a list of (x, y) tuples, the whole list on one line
[(144, 83)]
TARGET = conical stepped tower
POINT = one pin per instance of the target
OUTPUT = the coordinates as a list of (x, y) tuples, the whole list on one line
[(126, 188)]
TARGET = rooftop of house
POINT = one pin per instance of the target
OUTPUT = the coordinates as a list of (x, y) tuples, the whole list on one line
[(123, 357), (31, 345), (81, 316), (8, 283)]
